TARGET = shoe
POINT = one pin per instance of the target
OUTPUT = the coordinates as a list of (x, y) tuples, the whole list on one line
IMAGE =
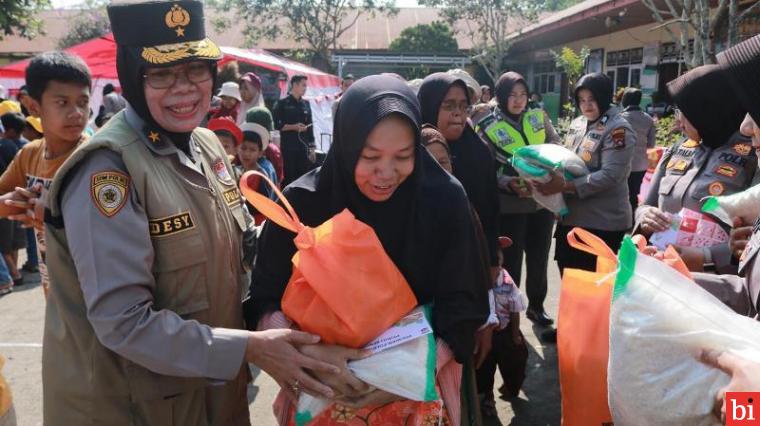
[(539, 317), (549, 336), (30, 268), (6, 288), (488, 407), (18, 281)]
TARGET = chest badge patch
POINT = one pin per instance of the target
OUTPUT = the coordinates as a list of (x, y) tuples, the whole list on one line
[(716, 188), (170, 225), (109, 191), (690, 144), (726, 170), (743, 148), (586, 156), (220, 169)]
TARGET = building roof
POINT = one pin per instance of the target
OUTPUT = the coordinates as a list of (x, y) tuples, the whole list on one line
[(369, 33), (587, 19)]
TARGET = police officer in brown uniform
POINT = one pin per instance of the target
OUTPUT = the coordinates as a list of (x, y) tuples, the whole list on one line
[(144, 225), (716, 159)]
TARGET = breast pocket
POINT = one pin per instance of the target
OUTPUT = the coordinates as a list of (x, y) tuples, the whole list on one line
[(720, 178), (667, 183), (180, 273)]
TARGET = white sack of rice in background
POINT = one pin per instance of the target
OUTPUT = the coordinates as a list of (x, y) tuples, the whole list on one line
[(660, 322), (745, 204), (536, 163)]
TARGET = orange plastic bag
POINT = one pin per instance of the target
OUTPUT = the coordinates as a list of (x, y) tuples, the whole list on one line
[(344, 287), (583, 334), (670, 256)]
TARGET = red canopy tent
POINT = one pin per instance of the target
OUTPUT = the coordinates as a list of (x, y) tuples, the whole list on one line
[(100, 55)]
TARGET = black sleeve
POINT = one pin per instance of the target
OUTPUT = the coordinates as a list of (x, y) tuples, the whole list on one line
[(279, 120), (490, 214), (461, 299)]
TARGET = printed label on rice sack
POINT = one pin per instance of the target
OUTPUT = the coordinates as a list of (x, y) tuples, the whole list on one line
[(410, 327), (690, 228)]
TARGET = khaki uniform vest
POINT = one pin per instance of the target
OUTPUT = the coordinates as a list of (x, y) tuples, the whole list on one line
[(198, 275)]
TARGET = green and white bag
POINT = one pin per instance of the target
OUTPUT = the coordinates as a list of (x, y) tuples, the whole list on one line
[(537, 163), (403, 363), (745, 205), (660, 322)]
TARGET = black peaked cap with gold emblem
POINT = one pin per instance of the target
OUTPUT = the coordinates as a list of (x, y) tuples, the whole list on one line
[(163, 33)]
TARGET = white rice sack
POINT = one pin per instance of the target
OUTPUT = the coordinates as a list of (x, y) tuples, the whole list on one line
[(660, 322), (745, 204), (537, 162), (403, 364)]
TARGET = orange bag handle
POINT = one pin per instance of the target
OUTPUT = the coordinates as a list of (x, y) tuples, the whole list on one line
[(287, 219), (583, 240)]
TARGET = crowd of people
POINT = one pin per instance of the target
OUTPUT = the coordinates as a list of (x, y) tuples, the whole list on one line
[(162, 282)]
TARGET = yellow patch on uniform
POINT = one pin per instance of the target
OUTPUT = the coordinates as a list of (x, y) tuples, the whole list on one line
[(743, 148), (690, 144), (588, 144), (170, 225), (586, 156), (154, 136), (109, 191), (716, 188), (231, 196), (681, 165), (618, 138), (726, 170)]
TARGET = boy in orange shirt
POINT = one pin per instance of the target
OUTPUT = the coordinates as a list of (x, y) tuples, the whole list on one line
[(59, 90)]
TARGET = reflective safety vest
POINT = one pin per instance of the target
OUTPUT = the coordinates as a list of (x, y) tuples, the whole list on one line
[(505, 137)]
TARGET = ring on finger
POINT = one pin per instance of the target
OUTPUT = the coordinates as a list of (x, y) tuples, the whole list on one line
[(296, 387)]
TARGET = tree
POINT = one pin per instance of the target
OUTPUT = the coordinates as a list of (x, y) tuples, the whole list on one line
[(317, 23), (20, 17), (684, 18), (573, 64), (426, 38), (487, 23), (91, 22)]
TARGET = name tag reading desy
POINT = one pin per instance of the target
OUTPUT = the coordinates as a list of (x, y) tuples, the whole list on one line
[(170, 225)]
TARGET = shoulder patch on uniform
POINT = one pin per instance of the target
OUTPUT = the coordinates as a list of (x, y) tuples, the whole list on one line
[(690, 144), (716, 188), (231, 197), (743, 148), (726, 170), (618, 138), (109, 191), (169, 225), (220, 169)]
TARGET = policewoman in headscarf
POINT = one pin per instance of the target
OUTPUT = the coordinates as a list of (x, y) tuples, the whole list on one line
[(378, 169), (445, 101), (509, 126), (144, 322), (597, 202), (716, 159)]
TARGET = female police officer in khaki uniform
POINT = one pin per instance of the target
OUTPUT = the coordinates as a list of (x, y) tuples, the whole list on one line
[(597, 202), (144, 323), (715, 160)]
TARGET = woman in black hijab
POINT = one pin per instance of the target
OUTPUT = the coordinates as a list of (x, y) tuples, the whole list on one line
[(444, 102), (378, 169)]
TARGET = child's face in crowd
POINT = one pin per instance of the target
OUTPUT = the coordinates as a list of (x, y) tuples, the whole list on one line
[(228, 142), (452, 115), (441, 156), (249, 154), (229, 102), (63, 109), (386, 160)]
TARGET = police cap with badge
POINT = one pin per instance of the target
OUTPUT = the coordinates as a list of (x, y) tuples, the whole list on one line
[(157, 34)]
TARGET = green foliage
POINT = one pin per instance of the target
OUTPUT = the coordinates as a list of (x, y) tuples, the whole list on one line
[(555, 5), (667, 134), (20, 17), (572, 64), (426, 38), (488, 24), (91, 22), (317, 24)]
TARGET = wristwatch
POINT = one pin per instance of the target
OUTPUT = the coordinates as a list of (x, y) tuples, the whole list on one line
[(709, 264)]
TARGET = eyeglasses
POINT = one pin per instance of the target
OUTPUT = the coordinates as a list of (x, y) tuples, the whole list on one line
[(451, 106), (195, 72)]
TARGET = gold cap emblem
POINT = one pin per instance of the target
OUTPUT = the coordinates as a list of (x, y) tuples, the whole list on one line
[(177, 18)]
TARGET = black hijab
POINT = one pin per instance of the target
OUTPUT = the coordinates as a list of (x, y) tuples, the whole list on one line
[(701, 95), (504, 87), (471, 158), (425, 227), (601, 87)]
